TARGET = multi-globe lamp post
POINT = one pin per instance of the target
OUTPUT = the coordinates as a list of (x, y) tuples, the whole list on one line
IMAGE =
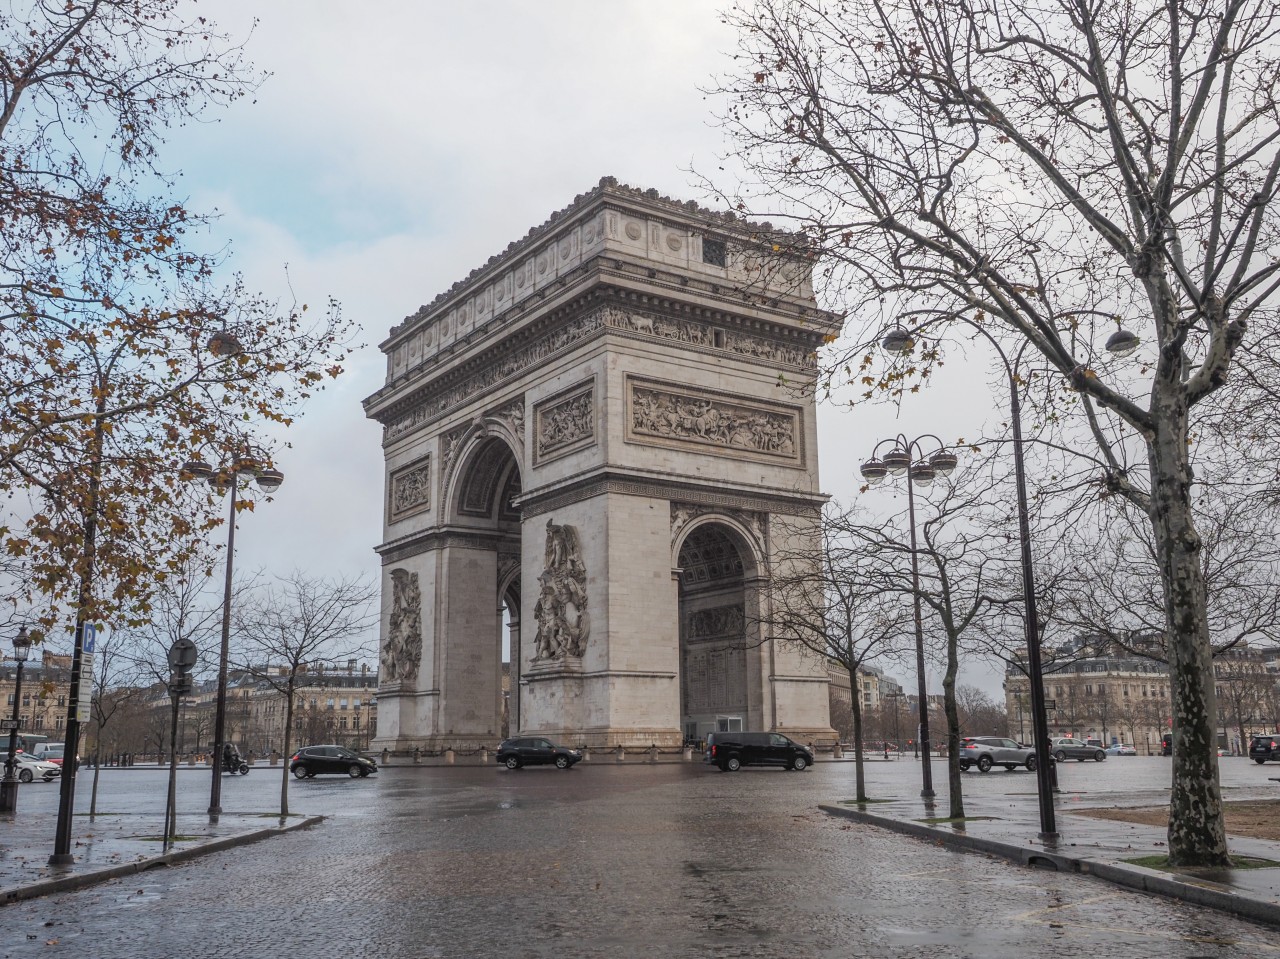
[(907, 456), (9, 785), (226, 479), (1121, 343)]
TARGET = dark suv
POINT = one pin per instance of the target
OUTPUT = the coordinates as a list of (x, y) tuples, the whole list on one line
[(732, 751), (1264, 747), (535, 751)]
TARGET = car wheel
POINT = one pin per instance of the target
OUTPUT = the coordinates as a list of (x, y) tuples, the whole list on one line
[(799, 763), (25, 776), (562, 762), (1031, 764), (1260, 761), (1099, 756), (355, 771), (1060, 756), (984, 764), (733, 764), (513, 762), (300, 771), (964, 767)]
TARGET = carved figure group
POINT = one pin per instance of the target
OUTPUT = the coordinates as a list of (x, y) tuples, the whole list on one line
[(561, 610), (410, 489), (403, 649), (687, 417), (565, 423)]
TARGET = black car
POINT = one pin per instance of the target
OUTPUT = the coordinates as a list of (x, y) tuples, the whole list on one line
[(535, 751), (731, 751), (1166, 744), (320, 760), (1264, 747)]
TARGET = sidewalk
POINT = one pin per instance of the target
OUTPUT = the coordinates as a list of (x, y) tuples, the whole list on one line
[(1009, 826), (117, 844)]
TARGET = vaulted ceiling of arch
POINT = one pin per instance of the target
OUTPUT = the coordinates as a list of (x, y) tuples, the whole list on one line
[(709, 556)]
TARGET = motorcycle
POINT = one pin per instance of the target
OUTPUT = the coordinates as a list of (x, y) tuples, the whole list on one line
[(234, 764)]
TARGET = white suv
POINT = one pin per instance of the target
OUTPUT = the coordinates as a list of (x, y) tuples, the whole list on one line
[(987, 751)]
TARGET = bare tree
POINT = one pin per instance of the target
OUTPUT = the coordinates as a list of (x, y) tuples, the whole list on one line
[(979, 713), (824, 599), (1047, 170), (297, 625), (115, 691), (954, 559)]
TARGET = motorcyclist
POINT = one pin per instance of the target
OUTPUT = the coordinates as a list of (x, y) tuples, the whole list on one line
[(230, 756)]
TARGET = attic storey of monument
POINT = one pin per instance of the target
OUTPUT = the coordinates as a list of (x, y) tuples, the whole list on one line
[(626, 390)]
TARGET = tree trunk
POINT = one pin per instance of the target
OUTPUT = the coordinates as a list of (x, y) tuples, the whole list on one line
[(1197, 833), (954, 787), (858, 776), (284, 759)]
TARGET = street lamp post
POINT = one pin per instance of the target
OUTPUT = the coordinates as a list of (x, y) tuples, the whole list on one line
[(1120, 343), (907, 457), (9, 785), (227, 479), (897, 734)]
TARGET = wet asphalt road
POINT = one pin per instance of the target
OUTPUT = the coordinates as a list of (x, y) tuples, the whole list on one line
[(668, 860)]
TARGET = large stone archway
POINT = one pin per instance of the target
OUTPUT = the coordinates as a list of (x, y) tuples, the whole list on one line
[(583, 431)]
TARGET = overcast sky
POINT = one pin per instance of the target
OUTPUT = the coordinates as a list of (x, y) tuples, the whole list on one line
[(397, 146)]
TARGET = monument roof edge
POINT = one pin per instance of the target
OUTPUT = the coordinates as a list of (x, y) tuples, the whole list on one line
[(607, 189)]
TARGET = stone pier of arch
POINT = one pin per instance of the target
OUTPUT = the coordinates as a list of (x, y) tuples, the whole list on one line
[(599, 446)]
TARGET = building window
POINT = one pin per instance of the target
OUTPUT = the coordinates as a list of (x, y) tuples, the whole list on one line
[(1125, 689), (713, 251), (355, 721), (1088, 689), (11, 699), (62, 701), (342, 724), (342, 704), (26, 700), (39, 724)]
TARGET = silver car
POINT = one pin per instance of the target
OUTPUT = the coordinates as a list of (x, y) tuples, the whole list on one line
[(1068, 748), (987, 751)]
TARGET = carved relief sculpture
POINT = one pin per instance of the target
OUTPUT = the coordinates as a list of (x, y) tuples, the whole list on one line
[(561, 611), (565, 425), (705, 420), (410, 490), (403, 649)]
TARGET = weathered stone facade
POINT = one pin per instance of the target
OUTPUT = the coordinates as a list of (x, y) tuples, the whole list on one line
[(593, 430)]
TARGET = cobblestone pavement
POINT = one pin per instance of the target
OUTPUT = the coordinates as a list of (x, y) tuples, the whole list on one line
[(663, 861)]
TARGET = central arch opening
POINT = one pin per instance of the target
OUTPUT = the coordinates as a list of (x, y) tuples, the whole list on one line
[(713, 633), (483, 682)]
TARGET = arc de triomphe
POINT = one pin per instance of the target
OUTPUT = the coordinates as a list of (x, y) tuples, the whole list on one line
[(597, 438)]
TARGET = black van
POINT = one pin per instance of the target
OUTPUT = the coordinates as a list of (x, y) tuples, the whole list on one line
[(1166, 744), (732, 751)]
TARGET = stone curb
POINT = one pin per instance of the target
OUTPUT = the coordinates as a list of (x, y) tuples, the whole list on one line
[(1140, 878), (80, 880)]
